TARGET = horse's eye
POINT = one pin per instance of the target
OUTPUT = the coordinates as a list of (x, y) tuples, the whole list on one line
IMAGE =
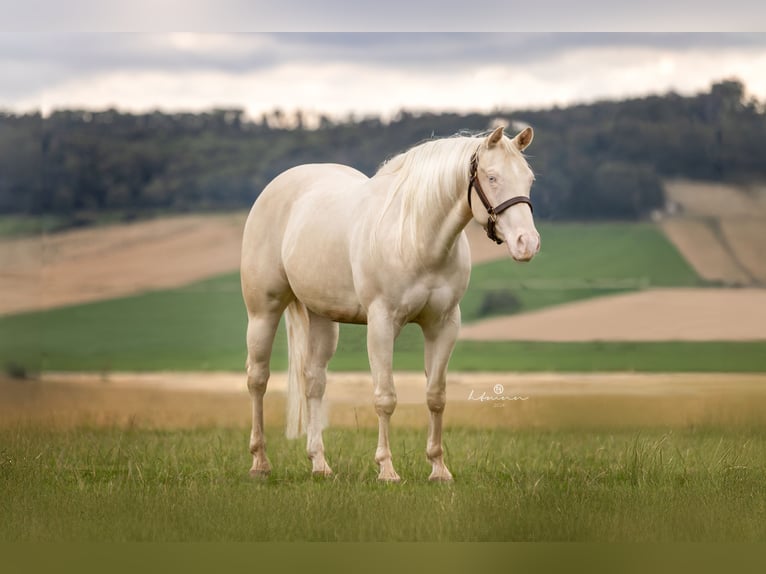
[(492, 179)]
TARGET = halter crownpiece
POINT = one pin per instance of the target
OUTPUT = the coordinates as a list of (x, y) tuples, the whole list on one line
[(493, 212)]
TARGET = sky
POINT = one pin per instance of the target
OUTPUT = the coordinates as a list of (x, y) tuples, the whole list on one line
[(365, 74)]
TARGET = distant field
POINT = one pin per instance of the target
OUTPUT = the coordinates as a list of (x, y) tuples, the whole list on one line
[(101, 262), (202, 326), (720, 229), (702, 247), (660, 314), (157, 332), (747, 238), (20, 226), (582, 260)]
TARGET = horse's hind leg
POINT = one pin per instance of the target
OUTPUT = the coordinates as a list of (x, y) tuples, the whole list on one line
[(261, 329), (323, 337)]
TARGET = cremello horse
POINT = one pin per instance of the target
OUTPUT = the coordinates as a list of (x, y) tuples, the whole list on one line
[(330, 245)]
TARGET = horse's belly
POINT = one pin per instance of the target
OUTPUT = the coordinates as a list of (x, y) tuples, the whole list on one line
[(328, 296), (319, 272), (335, 302), (340, 312)]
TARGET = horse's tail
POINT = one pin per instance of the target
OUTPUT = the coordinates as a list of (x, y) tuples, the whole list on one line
[(297, 322)]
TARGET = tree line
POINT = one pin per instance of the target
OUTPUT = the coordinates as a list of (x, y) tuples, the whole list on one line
[(601, 160)]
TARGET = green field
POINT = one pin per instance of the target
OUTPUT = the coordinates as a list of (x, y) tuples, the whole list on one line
[(700, 484), (20, 226), (202, 326), (579, 261)]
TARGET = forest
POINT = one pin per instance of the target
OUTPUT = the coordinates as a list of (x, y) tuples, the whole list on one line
[(604, 160)]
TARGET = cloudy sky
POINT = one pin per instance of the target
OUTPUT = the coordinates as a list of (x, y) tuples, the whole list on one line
[(364, 73)]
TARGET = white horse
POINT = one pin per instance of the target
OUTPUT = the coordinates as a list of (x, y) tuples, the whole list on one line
[(330, 245)]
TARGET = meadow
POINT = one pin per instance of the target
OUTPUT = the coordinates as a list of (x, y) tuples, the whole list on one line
[(620, 484), (201, 326), (113, 464)]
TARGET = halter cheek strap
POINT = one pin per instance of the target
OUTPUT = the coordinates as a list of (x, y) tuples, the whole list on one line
[(474, 183)]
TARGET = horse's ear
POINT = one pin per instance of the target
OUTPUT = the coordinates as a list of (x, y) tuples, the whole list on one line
[(524, 138), (495, 137)]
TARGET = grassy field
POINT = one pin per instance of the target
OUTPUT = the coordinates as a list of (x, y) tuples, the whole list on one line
[(700, 484), (202, 326), (579, 261), (20, 226), (113, 463)]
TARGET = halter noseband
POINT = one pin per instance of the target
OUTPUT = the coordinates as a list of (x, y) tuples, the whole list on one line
[(473, 182)]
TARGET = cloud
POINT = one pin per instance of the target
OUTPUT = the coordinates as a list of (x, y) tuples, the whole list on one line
[(227, 16), (246, 52), (364, 73)]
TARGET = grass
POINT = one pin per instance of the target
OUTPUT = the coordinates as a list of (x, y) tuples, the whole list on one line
[(19, 225), (579, 261), (110, 462), (109, 484), (202, 326), (24, 225)]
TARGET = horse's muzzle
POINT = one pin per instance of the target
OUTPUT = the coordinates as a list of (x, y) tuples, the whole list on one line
[(525, 246)]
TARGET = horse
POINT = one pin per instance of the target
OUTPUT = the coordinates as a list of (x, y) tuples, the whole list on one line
[(325, 244)]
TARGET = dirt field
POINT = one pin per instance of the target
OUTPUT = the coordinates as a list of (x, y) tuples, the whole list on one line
[(708, 199), (720, 229), (652, 315), (105, 262), (747, 237), (704, 251)]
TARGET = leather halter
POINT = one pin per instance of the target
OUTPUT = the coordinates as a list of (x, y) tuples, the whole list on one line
[(473, 182)]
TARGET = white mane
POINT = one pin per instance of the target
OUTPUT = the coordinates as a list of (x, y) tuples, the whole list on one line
[(425, 178), (428, 179)]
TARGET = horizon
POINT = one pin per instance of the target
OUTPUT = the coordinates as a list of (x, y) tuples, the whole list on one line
[(311, 119)]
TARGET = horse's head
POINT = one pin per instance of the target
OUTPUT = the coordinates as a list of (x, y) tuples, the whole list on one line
[(503, 177)]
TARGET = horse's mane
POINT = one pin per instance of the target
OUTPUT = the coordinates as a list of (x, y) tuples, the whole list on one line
[(425, 179)]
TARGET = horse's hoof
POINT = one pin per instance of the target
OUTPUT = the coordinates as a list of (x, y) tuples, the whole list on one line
[(260, 473), (440, 475), (390, 478), (440, 478)]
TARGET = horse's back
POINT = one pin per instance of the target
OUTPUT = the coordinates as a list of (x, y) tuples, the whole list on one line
[(279, 195)]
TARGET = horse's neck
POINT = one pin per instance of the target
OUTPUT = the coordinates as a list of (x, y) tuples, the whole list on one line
[(447, 227), (429, 209)]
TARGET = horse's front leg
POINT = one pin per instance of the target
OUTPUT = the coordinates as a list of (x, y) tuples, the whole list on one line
[(381, 333), (440, 336)]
